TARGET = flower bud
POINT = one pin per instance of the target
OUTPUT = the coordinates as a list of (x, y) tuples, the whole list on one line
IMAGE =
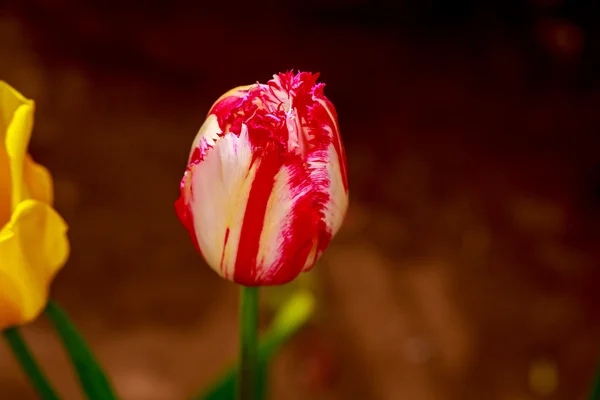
[(266, 184)]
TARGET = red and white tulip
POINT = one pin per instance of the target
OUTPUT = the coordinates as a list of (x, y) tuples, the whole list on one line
[(266, 185)]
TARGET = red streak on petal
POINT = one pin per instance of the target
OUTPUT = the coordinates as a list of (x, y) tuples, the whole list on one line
[(225, 107), (183, 209), (224, 247), (245, 264)]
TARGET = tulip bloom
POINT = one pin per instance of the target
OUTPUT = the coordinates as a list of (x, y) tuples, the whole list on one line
[(266, 185), (33, 242)]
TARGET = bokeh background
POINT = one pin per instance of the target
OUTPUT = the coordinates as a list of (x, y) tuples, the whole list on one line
[(468, 264)]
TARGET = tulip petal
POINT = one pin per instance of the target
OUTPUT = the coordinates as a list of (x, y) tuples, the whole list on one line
[(11, 101), (5, 184), (38, 181), (29, 179), (33, 248), (333, 129), (10, 301), (254, 218), (206, 137), (289, 228), (217, 190), (237, 92), (325, 169), (327, 165), (18, 133)]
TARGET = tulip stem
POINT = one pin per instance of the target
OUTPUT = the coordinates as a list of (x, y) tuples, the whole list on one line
[(248, 363), (28, 363)]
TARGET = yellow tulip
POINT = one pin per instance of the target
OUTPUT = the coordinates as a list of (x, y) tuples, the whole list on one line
[(33, 236)]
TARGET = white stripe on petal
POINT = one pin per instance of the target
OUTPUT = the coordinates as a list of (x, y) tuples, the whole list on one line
[(312, 256), (335, 208), (209, 132), (220, 188), (325, 169)]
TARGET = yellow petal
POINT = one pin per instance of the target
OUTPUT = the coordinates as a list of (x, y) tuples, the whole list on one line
[(33, 248), (17, 140), (38, 181), (10, 102), (10, 298), (5, 184), (16, 124)]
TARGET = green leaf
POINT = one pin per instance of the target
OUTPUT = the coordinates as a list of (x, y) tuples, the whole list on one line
[(93, 381), (272, 297), (292, 316)]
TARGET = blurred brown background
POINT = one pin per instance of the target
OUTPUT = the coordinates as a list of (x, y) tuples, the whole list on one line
[(468, 264)]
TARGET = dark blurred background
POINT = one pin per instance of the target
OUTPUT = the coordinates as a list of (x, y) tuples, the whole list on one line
[(468, 264)]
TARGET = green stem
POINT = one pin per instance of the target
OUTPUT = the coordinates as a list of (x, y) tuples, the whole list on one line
[(290, 318), (595, 392), (248, 362), (22, 353)]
